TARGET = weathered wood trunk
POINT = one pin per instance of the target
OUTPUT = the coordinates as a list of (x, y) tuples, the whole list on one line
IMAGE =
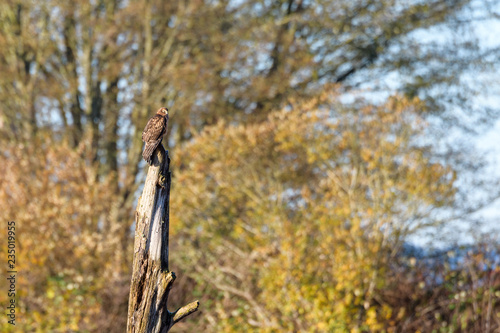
[(151, 279)]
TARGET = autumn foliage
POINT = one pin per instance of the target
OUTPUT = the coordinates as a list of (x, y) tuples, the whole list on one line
[(311, 141), (70, 271), (314, 233)]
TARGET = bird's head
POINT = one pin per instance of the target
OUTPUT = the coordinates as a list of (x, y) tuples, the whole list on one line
[(162, 112)]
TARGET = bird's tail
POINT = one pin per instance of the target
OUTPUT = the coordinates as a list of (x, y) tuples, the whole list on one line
[(149, 150)]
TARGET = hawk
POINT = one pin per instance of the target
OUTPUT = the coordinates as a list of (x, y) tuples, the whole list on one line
[(153, 133)]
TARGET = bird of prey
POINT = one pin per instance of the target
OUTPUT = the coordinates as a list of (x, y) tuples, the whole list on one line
[(153, 133)]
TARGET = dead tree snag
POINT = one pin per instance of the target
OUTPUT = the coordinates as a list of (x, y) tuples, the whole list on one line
[(151, 278)]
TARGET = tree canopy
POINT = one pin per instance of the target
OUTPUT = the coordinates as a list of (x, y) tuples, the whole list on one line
[(309, 140)]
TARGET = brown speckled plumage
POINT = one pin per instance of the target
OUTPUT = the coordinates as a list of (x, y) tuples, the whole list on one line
[(153, 133)]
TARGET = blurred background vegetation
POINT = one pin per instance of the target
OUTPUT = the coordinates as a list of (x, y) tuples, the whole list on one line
[(312, 143)]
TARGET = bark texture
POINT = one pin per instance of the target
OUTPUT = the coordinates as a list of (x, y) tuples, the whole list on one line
[(151, 279)]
